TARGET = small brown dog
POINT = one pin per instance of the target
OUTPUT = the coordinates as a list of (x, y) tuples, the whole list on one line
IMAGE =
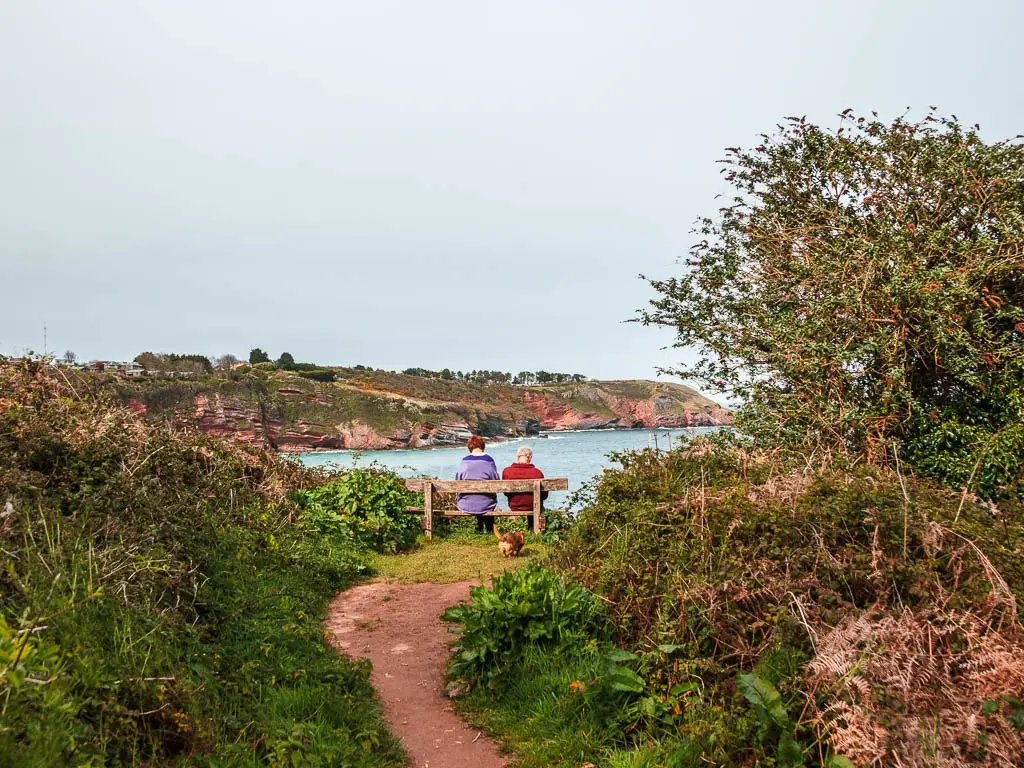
[(509, 543)]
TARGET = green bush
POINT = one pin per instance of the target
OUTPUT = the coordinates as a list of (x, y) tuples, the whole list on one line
[(157, 606), (316, 374), (528, 607), (977, 444), (743, 567), (363, 505), (759, 598)]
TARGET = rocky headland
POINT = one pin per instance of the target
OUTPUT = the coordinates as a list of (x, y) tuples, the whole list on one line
[(378, 410)]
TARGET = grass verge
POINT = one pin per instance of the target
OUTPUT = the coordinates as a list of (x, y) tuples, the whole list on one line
[(538, 717), (461, 557)]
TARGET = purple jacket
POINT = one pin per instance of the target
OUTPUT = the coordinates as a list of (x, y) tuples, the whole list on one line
[(477, 468)]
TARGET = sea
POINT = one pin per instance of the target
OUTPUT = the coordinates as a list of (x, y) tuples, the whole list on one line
[(578, 455)]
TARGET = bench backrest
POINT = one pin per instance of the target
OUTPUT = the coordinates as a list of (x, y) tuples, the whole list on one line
[(429, 487), (489, 486)]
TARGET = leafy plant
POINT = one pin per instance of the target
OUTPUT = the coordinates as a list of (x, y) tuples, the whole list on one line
[(618, 677), (767, 703), (528, 607), (365, 505)]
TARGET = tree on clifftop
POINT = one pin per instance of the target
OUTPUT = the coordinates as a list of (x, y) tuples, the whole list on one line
[(257, 355), (863, 293), (285, 362)]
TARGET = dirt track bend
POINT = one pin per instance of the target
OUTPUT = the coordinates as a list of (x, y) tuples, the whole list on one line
[(396, 626)]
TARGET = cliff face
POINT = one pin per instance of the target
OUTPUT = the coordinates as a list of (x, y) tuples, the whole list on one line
[(623, 405), (381, 411)]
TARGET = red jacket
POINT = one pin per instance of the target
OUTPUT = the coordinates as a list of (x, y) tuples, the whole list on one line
[(522, 502)]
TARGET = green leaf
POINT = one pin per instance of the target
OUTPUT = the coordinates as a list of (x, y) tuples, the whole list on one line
[(790, 753), (838, 761), (619, 655), (765, 698), (624, 679)]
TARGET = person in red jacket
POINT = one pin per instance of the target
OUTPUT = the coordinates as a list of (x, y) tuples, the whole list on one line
[(523, 469)]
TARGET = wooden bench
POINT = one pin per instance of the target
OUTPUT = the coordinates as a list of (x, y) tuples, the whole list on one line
[(429, 487)]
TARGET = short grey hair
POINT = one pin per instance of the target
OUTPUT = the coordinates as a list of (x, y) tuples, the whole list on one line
[(524, 451)]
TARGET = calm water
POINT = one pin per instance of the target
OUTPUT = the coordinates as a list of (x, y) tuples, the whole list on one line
[(576, 455)]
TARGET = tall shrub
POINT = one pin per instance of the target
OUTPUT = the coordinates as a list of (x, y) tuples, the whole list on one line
[(863, 289), (365, 505)]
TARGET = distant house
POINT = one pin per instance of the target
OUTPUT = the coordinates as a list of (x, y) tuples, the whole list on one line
[(130, 368)]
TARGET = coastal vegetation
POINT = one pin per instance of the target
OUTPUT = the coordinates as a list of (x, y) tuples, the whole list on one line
[(837, 584), (834, 584), (767, 614), (161, 593)]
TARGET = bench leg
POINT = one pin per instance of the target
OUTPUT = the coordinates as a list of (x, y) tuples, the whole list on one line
[(428, 509), (536, 507)]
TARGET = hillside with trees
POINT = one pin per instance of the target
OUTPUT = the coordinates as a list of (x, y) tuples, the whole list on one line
[(303, 407)]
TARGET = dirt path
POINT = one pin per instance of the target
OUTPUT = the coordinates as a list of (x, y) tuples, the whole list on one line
[(396, 626)]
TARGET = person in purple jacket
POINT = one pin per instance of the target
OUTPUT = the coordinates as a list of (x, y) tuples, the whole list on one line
[(478, 466)]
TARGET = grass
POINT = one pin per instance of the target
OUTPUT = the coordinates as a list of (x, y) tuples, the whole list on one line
[(160, 604), (545, 723), (536, 719), (438, 390), (585, 405), (460, 557), (546, 719)]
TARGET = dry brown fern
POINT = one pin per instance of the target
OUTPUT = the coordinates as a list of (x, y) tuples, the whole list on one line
[(926, 676)]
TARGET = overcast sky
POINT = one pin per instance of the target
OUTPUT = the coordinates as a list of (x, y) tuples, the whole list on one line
[(468, 184)]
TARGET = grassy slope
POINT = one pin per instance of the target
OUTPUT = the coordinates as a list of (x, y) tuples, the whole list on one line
[(386, 401), (587, 397), (381, 400), (286, 397), (157, 604)]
